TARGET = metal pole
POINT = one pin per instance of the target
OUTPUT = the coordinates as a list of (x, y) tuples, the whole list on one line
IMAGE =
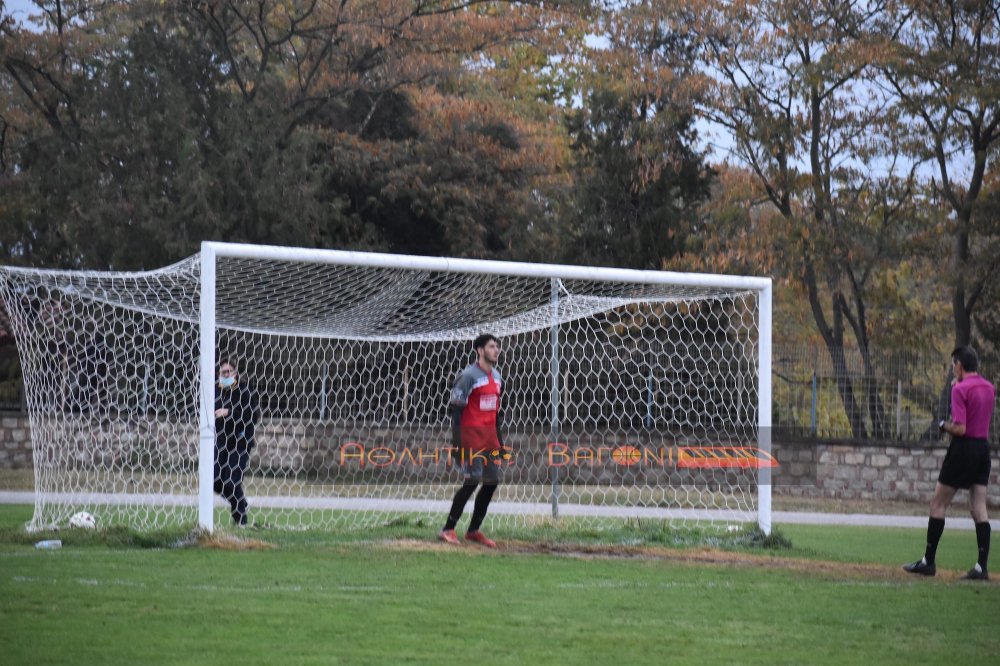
[(206, 411), (147, 370), (554, 390), (764, 407), (899, 409), (482, 266), (322, 392), (812, 411), (649, 398)]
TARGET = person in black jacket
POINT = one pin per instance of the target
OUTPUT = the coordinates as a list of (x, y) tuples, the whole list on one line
[(236, 414)]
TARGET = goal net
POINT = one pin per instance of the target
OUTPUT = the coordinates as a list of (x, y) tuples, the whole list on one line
[(626, 394)]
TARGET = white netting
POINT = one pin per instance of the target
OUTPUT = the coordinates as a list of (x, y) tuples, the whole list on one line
[(353, 366)]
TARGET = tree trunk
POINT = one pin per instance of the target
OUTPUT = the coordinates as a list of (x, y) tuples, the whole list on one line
[(833, 337), (959, 307), (846, 388)]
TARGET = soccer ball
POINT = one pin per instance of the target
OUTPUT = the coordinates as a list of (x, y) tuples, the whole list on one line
[(83, 520)]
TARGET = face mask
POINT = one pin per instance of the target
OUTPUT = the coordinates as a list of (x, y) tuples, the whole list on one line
[(227, 381)]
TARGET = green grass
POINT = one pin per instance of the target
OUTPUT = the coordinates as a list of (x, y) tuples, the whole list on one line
[(881, 545), (389, 595)]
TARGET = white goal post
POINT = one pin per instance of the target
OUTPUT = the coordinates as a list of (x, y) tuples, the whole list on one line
[(627, 394)]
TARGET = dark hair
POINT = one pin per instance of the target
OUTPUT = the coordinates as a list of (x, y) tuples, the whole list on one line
[(483, 340), (225, 361), (968, 357)]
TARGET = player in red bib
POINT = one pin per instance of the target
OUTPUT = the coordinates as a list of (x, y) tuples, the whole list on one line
[(476, 441)]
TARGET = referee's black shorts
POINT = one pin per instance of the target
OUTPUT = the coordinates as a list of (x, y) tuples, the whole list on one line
[(967, 463)]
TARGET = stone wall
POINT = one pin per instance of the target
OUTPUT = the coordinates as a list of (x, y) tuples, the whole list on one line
[(831, 470), (15, 442), (866, 472)]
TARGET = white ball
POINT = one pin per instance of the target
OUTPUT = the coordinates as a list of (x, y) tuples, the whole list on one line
[(83, 520)]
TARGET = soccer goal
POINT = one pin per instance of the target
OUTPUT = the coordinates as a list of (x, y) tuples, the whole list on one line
[(627, 394)]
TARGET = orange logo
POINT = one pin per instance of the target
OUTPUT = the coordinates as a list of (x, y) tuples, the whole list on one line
[(626, 455), (561, 454), (716, 457), (506, 455)]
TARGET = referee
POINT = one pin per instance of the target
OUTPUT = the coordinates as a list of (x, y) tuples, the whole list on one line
[(967, 463)]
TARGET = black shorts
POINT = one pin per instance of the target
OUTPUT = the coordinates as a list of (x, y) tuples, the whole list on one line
[(967, 463)]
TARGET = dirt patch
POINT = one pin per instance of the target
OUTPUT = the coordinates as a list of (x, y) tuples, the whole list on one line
[(221, 541), (228, 542), (682, 556), (714, 557)]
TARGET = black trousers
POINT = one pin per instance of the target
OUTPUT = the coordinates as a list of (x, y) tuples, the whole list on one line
[(230, 466)]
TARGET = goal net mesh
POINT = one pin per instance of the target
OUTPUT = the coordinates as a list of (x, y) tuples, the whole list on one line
[(617, 396)]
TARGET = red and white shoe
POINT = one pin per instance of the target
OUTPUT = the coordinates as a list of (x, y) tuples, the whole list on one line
[(481, 539), (449, 537)]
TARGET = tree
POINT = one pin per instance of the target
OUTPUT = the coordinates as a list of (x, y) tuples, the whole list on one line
[(638, 178), (987, 257), (133, 130), (425, 150), (941, 59), (789, 86)]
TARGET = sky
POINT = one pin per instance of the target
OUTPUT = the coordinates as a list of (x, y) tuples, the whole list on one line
[(20, 8)]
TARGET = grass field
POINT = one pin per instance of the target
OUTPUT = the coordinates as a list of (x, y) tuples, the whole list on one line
[(630, 594)]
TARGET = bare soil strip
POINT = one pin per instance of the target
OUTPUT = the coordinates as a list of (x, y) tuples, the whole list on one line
[(682, 556)]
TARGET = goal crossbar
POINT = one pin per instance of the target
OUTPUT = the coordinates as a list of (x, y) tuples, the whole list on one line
[(484, 266)]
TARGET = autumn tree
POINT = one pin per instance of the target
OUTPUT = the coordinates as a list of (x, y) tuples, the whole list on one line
[(136, 129), (986, 214), (941, 61), (639, 176), (790, 88)]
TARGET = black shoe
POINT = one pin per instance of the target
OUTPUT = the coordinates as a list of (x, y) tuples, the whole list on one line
[(973, 574), (920, 567)]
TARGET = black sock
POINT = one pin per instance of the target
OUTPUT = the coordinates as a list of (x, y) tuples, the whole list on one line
[(935, 528), (483, 498), (458, 505), (983, 540)]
